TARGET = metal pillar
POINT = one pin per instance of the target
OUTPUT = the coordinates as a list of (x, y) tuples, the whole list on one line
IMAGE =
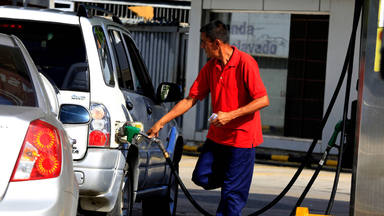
[(367, 193)]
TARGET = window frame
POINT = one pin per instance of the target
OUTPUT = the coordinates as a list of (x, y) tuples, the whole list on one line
[(120, 75), (143, 75), (110, 62)]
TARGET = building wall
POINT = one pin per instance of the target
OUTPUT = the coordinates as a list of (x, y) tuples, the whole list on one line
[(269, 5), (189, 122), (340, 25)]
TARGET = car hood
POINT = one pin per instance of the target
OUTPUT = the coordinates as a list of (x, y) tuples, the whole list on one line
[(14, 122)]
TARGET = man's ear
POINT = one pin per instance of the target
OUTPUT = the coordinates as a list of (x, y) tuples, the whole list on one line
[(218, 42)]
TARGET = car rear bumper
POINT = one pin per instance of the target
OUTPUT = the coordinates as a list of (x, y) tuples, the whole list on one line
[(40, 198), (99, 176)]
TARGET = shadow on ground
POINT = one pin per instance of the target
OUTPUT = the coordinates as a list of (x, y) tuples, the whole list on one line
[(209, 201)]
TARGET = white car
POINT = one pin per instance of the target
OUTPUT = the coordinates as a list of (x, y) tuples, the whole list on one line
[(95, 64), (36, 171)]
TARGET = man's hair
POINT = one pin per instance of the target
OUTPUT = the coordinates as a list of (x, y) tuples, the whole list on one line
[(216, 30)]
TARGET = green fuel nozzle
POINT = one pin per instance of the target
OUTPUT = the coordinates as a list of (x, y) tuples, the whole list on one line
[(130, 132), (134, 132), (338, 128), (125, 132), (332, 142)]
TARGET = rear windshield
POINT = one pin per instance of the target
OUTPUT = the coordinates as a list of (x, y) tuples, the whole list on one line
[(15, 83), (57, 49)]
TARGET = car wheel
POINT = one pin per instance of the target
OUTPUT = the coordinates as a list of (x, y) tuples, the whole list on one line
[(124, 202), (164, 205)]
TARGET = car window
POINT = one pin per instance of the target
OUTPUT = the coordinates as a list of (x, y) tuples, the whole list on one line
[(123, 70), (139, 69), (58, 50), (138, 83), (104, 55), (16, 87)]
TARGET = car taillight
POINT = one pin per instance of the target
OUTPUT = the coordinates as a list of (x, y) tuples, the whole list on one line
[(40, 155), (99, 127), (12, 26)]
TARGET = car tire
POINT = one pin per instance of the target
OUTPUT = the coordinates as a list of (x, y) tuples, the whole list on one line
[(124, 202), (164, 206)]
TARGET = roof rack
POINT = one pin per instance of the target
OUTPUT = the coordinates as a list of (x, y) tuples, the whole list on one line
[(83, 11)]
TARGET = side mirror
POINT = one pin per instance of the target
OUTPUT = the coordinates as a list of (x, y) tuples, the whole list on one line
[(168, 92), (73, 114)]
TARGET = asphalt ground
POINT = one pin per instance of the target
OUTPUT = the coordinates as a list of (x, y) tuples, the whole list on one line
[(269, 180)]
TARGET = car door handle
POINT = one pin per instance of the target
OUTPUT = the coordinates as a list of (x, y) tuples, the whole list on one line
[(149, 110), (129, 105)]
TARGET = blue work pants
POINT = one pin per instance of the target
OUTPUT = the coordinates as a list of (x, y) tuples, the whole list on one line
[(227, 167)]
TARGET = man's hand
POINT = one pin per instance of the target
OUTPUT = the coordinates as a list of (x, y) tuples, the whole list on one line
[(222, 119), (225, 117), (154, 131)]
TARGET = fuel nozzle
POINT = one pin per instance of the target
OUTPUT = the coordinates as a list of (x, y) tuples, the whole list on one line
[(133, 131), (128, 130)]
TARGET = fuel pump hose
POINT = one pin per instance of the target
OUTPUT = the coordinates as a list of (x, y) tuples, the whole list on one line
[(331, 144), (135, 136), (309, 152)]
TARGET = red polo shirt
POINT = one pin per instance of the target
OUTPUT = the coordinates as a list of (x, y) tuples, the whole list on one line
[(232, 87)]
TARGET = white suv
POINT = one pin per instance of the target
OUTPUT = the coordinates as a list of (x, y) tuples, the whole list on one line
[(94, 63)]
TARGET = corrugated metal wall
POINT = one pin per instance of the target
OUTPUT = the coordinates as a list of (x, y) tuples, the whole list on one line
[(162, 12), (163, 49)]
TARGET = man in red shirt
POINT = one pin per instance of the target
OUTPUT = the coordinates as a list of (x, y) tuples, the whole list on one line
[(237, 94)]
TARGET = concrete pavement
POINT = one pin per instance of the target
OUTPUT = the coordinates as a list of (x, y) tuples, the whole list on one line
[(268, 182)]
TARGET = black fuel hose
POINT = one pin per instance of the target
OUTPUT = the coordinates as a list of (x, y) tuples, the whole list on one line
[(176, 174), (324, 120), (299, 170), (135, 136), (349, 63), (185, 190), (312, 180), (356, 17), (331, 144), (322, 124)]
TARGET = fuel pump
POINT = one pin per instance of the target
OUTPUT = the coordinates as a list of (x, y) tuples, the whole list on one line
[(367, 174)]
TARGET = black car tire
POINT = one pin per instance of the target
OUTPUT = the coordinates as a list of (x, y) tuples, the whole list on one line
[(124, 202), (164, 206)]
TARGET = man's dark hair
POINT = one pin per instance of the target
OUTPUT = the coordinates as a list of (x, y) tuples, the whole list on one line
[(216, 30)]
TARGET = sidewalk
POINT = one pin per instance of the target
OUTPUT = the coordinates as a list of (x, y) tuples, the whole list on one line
[(268, 181)]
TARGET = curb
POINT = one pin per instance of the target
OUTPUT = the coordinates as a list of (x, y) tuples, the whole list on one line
[(190, 148), (263, 156), (287, 158)]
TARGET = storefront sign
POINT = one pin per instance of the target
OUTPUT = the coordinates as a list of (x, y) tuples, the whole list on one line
[(261, 34)]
